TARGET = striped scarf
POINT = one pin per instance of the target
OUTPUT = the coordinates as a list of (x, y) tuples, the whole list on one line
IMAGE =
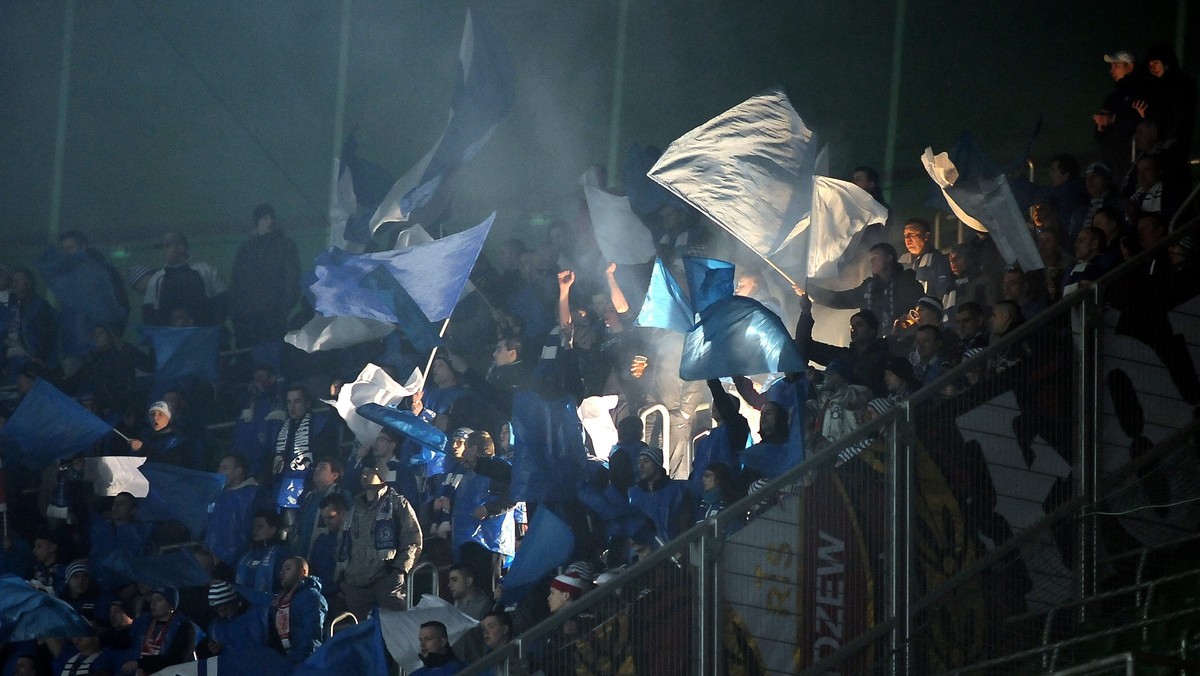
[(301, 460)]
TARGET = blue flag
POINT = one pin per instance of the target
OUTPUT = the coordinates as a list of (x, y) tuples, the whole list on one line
[(405, 423), (367, 184), (432, 274), (709, 280), (180, 352), (665, 306), (547, 545), (409, 317), (483, 95), (180, 494), (86, 298), (48, 426), (737, 336), (358, 650), (548, 442), (27, 614)]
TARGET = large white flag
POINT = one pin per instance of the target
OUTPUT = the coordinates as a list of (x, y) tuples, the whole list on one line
[(372, 386), (987, 205), (111, 475), (750, 170), (841, 212), (401, 628), (620, 234)]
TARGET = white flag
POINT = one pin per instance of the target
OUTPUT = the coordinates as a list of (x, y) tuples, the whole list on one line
[(111, 475), (622, 237), (330, 333), (841, 212), (372, 386), (401, 627)]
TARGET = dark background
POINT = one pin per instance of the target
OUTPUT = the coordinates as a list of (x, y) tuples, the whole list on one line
[(185, 114)]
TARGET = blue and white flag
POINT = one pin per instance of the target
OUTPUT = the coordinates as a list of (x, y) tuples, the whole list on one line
[(358, 188), (27, 614), (750, 170), (432, 274), (184, 351), (709, 280), (179, 493), (48, 426), (482, 98), (985, 202), (738, 336), (406, 423), (665, 306)]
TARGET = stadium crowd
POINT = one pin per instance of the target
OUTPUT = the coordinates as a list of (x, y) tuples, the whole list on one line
[(309, 523)]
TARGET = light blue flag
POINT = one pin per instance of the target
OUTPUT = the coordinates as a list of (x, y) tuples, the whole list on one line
[(483, 95), (407, 424), (27, 614), (432, 274), (180, 494), (357, 650), (750, 170), (547, 545), (86, 298), (665, 306), (737, 336), (709, 280), (420, 332), (184, 351), (48, 426)]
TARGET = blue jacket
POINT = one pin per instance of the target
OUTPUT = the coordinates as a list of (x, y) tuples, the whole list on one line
[(668, 506), (229, 520), (257, 575), (241, 635), (307, 619), (179, 643)]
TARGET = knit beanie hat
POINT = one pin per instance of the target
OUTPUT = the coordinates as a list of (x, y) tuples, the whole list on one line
[(161, 406), (570, 583), (76, 566), (221, 592), (171, 594), (655, 455), (932, 303)]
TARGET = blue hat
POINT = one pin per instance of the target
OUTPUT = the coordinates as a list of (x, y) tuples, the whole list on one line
[(171, 594)]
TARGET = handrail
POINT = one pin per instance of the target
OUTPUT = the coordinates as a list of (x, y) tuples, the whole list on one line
[(645, 414), (344, 616), (411, 582)]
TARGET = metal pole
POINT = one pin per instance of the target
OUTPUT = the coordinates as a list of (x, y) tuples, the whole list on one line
[(889, 157), (618, 92), (60, 134), (339, 102), (1180, 28), (898, 555), (703, 657), (1087, 441)]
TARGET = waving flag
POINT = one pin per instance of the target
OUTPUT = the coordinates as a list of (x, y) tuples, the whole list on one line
[(432, 274), (414, 235), (841, 212), (737, 336), (665, 306), (357, 650), (358, 188), (180, 494), (372, 386), (482, 98), (750, 170), (620, 234), (406, 423), (48, 426), (979, 194), (709, 280), (27, 614), (85, 294), (112, 475), (401, 628), (184, 351), (547, 545), (409, 318), (331, 333), (548, 441), (646, 197)]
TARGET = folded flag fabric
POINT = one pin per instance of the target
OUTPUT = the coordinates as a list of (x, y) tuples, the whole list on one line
[(738, 336), (372, 386), (709, 280), (665, 306), (401, 628), (405, 423), (48, 426)]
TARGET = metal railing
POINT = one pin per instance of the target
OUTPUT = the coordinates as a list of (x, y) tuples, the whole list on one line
[(946, 514)]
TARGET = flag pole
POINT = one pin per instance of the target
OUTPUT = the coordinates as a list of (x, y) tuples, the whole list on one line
[(433, 352), (119, 434)]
